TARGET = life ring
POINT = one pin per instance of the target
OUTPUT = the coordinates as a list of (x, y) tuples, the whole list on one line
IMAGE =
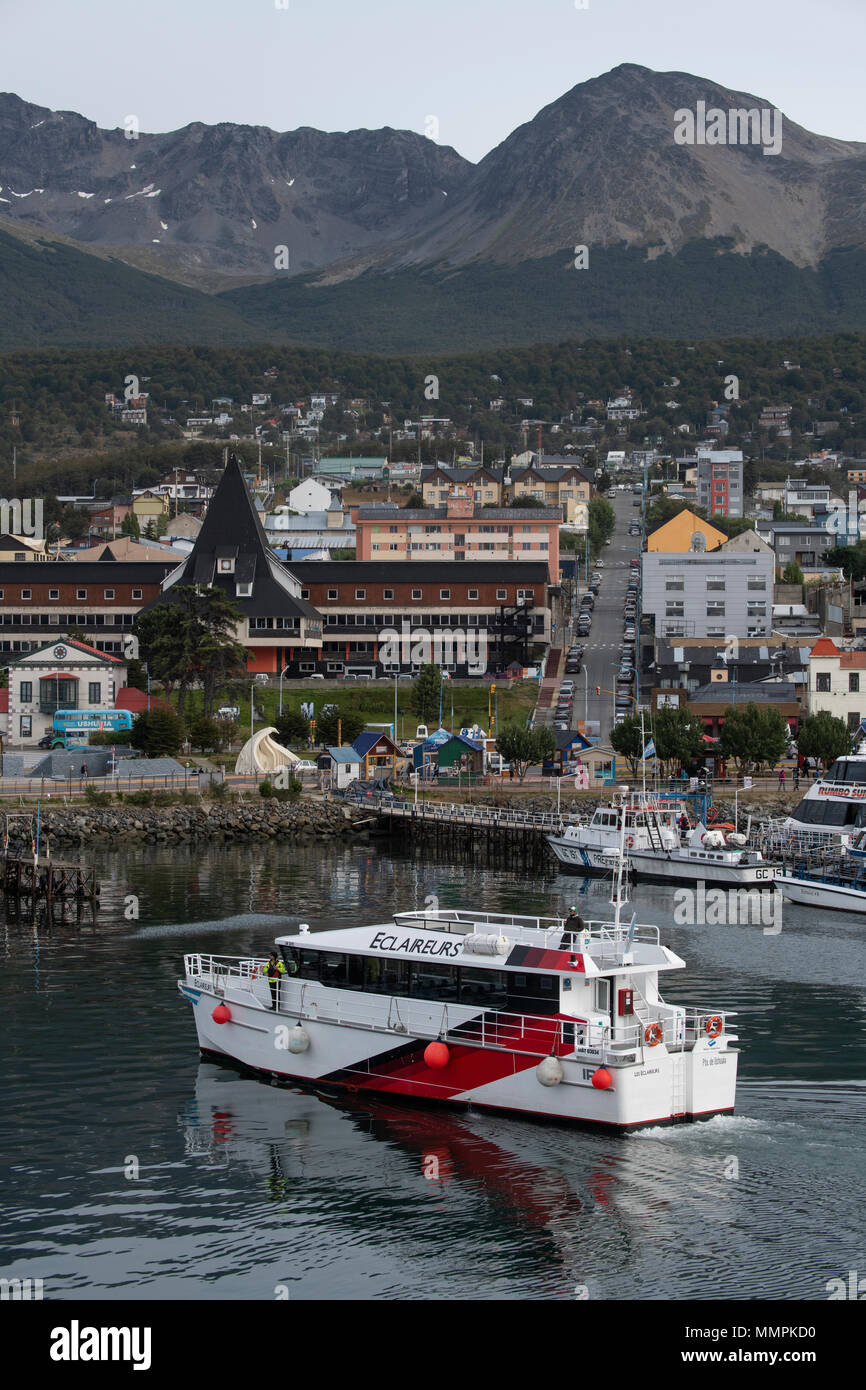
[(654, 1034), (629, 841), (712, 815), (713, 1026)]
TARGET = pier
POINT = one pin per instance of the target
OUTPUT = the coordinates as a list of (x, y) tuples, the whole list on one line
[(38, 876)]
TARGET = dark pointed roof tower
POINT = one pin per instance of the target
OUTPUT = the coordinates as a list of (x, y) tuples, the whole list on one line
[(231, 553)]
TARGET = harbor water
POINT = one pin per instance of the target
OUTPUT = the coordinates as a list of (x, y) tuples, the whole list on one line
[(132, 1169)]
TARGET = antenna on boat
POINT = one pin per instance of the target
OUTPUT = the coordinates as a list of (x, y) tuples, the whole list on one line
[(619, 887)]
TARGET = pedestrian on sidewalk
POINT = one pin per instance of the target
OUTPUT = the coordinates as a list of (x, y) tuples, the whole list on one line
[(781, 779)]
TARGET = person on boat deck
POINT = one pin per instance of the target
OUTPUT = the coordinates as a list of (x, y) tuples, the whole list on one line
[(572, 926), (274, 970), (683, 825)]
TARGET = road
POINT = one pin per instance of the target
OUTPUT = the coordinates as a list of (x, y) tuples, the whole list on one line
[(601, 659)]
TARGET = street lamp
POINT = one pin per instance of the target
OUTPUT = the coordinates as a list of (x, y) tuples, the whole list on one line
[(282, 673)]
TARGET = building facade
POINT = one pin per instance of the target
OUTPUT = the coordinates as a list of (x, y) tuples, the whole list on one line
[(100, 600), (59, 675), (709, 594), (459, 531), (720, 481)]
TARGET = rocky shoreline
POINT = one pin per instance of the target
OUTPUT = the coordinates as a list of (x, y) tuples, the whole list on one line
[(299, 821)]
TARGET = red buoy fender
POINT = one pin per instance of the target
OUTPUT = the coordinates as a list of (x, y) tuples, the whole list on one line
[(436, 1055), (222, 1014), (602, 1079)]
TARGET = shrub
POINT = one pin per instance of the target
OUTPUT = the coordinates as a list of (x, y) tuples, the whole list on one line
[(95, 798), (265, 789)]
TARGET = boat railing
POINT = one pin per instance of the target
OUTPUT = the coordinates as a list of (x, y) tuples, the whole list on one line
[(218, 971), (534, 931)]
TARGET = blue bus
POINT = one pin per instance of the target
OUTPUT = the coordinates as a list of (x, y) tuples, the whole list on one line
[(73, 727)]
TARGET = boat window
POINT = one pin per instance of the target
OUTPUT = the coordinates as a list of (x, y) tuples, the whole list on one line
[(532, 993), (333, 968), (602, 996), (307, 963), (484, 987), (430, 980)]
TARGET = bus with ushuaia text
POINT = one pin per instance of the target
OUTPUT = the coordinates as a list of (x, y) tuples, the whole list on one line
[(72, 727)]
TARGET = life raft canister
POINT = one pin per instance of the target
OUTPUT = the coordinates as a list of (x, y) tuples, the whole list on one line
[(713, 1026), (654, 1034)]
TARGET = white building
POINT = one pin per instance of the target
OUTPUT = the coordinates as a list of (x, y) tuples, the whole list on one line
[(61, 675), (309, 496), (837, 682), (719, 593)]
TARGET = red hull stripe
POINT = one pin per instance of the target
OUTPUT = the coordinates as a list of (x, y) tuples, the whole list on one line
[(536, 958), (404, 1071)]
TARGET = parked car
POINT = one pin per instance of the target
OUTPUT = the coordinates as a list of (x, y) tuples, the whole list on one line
[(262, 678), (224, 712), (629, 634)]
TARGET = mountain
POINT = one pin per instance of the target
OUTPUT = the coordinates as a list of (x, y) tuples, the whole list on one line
[(600, 167), (398, 244), (220, 197)]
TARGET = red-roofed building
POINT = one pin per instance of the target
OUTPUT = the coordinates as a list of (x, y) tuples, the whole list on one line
[(136, 701), (837, 682), (66, 674)]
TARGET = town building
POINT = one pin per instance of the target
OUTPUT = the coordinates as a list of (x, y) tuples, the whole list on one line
[(459, 531), (96, 599), (720, 481), (677, 535), (837, 682), (712, 703), (797, 541), (378, 619), (231, 553), (484, 485), (58, 675), (709, 593)]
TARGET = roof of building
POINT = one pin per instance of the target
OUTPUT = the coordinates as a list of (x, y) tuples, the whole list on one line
[(746, 692), (369, 738), (87, 571), (675, 536), (60, 640), (232, 529), (129, 697), (383, 512), (125, 549), (825, 646), (422, 571), (345, 755)]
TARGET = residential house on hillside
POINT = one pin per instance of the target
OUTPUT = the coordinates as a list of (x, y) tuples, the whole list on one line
[(459, 532)]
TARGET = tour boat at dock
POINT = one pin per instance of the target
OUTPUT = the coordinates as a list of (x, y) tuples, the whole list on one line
[(707, 854), (518, 1014), (835, 888), (834, 806)]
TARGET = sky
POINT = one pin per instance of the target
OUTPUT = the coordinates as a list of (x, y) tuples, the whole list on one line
[(478, 68)]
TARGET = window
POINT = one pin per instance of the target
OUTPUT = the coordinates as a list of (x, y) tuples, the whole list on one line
[(243, 590), (757, 610), (360, 593), (305, 593), (136, 593), (53, 593), (94, 693), (332, 594), (674, 586), (26, 593), (501, 594), (759, 585), (416, 594), (716, 584), (445, 594), (108, 594), (81, 594), (854, 719), (822, 682), (25, 725), (387, 593), (853, 682), (472, 594), (26, 692)]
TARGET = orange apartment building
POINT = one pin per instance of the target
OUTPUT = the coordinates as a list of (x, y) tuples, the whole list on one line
[(461, 530)]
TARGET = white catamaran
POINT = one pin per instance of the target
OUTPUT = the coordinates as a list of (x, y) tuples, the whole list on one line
[(520, 1014)]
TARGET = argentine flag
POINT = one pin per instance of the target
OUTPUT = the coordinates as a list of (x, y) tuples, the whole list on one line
[(649, 751)]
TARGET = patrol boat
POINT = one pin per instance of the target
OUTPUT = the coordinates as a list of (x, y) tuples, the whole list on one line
[(509, 1013), (650, 823)]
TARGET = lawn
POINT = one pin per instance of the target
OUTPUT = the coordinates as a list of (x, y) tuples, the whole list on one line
[(462, 703)]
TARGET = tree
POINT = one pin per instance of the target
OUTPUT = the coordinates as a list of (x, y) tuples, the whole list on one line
[(792, 574), (678, 735), (157, 734), (754, 736), (602, 520), (425, 697), (129, 526), (627, 738), (414, 501), (291, 727), (824, 737), (206, 734), (524, 747), (336, 726), (190, 638)]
